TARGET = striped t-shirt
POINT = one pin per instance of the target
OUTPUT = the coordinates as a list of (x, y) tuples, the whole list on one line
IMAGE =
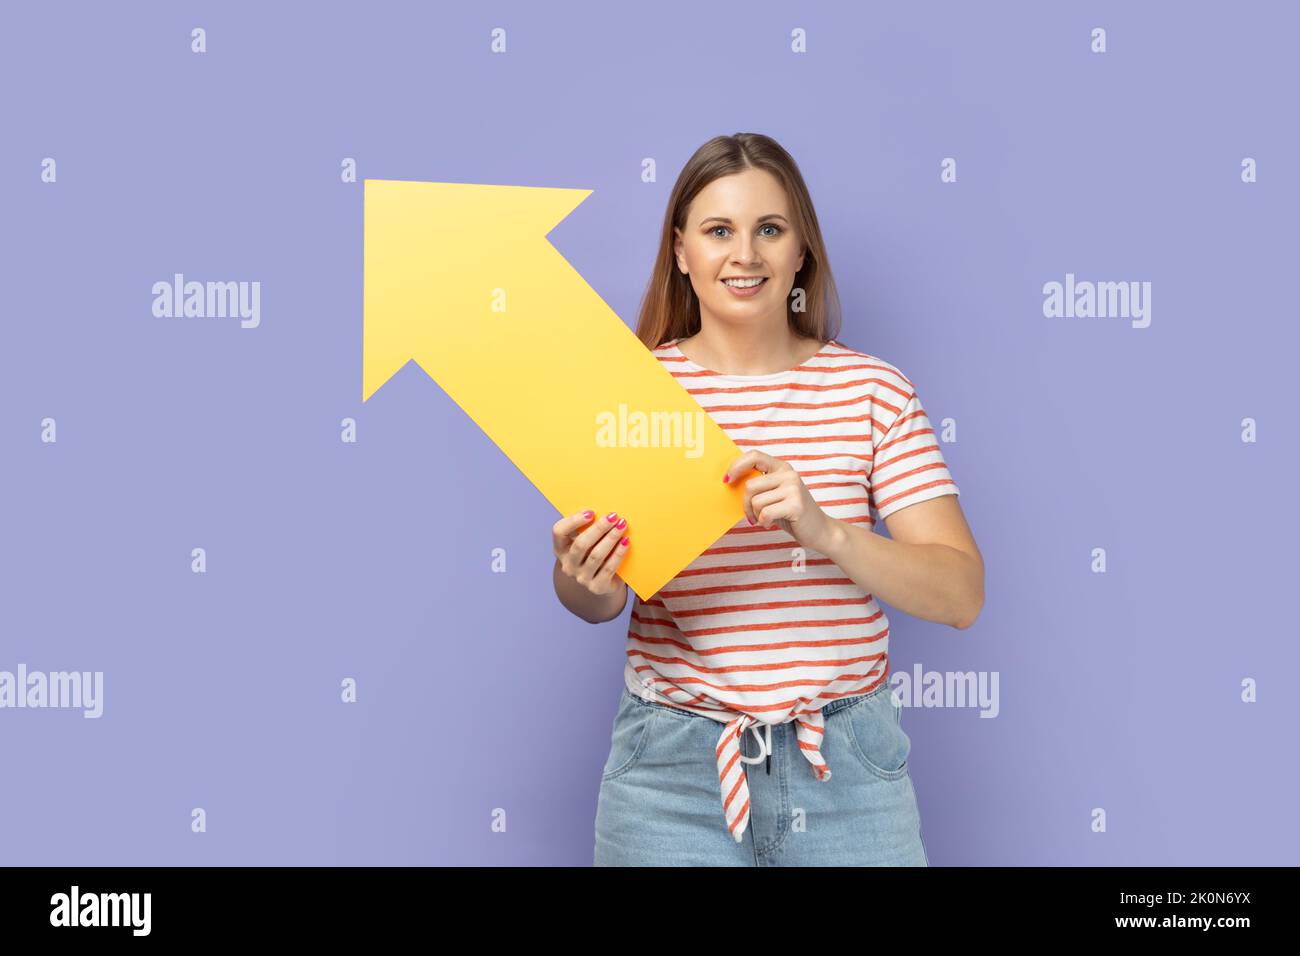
[(757, 630)]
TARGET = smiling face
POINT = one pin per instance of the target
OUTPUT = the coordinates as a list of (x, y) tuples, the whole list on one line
[(741, 226)]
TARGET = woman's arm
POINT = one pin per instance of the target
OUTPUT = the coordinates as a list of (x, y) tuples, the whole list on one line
[(592, 608), (931, 569)]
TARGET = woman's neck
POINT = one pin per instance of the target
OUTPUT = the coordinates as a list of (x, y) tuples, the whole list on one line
[(747, 352)]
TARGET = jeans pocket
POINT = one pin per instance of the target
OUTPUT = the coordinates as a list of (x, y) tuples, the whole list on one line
[(631, 731), (875, 726)]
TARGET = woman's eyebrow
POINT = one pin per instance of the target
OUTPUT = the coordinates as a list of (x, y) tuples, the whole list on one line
[(770, 215)]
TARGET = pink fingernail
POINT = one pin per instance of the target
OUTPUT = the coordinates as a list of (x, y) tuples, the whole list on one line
[(624, 542), (611, 516), (589, 515), (726, 478), (622, 523)]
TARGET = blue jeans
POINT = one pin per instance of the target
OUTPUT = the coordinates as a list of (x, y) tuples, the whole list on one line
[(660, 803)]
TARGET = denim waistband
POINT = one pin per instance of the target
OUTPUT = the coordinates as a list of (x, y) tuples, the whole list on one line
[(838, 704), (841, 703)]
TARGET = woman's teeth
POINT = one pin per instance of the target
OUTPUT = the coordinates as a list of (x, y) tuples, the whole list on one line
[(744, 283)]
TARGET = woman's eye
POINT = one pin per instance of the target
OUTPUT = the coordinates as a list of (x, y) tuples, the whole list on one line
[(771, 235)]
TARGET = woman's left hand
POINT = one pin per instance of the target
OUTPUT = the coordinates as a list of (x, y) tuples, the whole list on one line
[(778, 498)]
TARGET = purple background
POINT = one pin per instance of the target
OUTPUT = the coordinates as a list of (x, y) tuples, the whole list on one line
[(478, 690)]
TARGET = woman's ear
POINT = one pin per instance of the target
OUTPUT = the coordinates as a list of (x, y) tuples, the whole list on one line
[(678, 251)]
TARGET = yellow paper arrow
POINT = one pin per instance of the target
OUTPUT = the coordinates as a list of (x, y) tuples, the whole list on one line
[(461, 278)]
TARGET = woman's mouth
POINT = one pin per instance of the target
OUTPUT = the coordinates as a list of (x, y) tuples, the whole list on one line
[(744, 288)]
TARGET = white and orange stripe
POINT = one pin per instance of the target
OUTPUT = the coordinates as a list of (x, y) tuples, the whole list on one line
[(758, 631)]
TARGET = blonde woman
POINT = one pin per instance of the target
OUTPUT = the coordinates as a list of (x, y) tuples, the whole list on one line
[(756, 725)]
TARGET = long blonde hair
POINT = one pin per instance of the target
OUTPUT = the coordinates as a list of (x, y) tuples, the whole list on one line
[(671, 310)]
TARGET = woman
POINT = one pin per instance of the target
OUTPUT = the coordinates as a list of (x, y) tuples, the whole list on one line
[(775, 629)]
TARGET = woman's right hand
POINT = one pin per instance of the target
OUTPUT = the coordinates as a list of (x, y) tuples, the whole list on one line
[(591, 556)]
